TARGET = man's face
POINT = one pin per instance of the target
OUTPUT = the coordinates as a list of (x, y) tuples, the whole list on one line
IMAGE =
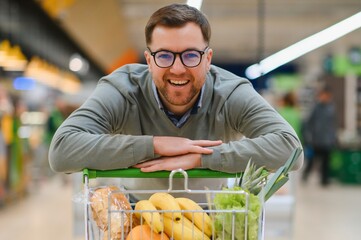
[(178, 85)]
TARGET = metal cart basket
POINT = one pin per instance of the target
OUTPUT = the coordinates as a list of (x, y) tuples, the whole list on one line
[(232, 224)]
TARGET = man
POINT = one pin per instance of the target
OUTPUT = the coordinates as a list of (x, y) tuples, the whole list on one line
[(321, 134), (178, 111)]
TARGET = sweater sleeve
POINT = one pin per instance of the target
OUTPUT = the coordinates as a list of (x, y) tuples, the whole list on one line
[(268, 139), (89, 137)]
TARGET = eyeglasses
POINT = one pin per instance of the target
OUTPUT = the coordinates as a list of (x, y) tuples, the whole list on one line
[(189, 58)]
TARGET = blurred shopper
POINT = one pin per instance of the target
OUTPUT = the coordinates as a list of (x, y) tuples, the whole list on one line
[(320, 135), (290, 111), (59, 112), (56, 117)]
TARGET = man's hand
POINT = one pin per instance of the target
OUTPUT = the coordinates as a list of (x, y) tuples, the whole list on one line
[(177, 152), (175, 146), (185, 162)]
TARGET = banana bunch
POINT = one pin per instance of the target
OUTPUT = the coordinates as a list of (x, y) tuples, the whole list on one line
[(179, 218), (183, 229), (146, 211), (196, 214)]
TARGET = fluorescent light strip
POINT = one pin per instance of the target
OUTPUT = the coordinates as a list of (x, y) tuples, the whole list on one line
[(304, 46), (195, 3)]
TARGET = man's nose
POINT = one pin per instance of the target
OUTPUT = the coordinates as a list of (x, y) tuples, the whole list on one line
[(177, 66)]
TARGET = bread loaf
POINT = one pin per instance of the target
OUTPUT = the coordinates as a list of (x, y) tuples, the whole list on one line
[(120, 221)]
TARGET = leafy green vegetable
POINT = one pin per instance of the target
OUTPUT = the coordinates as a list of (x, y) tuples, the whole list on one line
[(225, 222), (232, 225), (280, 177)]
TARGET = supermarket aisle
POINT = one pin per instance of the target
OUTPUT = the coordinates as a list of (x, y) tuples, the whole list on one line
[(328, 213), (46, 213), (333, 213)]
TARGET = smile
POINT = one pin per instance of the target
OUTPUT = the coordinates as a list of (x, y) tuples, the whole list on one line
[(178, 83)]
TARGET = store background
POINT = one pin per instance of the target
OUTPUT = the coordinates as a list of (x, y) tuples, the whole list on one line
[(52, 53)]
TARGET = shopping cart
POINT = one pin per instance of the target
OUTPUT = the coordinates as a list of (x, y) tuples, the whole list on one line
[(225, 222)]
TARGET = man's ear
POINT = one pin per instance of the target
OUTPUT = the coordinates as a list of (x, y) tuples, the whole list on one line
[(209, 57), (148, 58)]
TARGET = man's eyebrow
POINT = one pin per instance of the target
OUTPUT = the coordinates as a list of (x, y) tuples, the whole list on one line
[(187, 49)]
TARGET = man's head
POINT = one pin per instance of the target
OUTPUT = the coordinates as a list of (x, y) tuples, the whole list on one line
[(325, 94), (178, 54), (177, 15)]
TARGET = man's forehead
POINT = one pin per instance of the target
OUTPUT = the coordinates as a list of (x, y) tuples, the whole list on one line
[(177, 39)]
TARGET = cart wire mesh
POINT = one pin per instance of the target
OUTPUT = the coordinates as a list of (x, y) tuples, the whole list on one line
[(226, 224)]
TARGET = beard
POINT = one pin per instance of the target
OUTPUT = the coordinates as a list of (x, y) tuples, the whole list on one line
[(182, 94), (178, 98)]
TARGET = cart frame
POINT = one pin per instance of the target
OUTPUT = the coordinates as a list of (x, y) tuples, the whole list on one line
[(89, 174)]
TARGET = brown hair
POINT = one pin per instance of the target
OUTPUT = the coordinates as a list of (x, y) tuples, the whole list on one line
[(289, 99), (177, 15)]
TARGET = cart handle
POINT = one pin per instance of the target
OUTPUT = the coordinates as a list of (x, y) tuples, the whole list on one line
[(137, 173)]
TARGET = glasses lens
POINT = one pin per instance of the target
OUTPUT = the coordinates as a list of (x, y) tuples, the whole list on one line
[(191, 58), (164, 58)]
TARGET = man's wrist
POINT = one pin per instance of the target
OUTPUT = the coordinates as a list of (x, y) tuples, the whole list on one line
[(211, 161)]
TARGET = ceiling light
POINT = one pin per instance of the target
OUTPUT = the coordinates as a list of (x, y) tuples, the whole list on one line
[(75, 64), (304, 46), (15, 60), (49, 75), (78, 64), (195, 3), (4, 51)]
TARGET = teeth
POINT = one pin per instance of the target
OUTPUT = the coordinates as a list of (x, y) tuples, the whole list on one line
[(178, 82)]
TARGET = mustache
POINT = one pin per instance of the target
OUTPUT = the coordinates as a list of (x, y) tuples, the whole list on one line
[(177, 76)]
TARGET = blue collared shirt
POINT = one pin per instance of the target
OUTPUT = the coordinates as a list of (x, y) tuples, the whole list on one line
[(178, 121)]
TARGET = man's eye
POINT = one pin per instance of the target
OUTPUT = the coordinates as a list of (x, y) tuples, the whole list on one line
[(164, 56), (191, 55)]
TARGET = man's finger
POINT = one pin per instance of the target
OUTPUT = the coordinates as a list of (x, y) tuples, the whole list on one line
[(201, 150), (207, 143), (148, 169), (144, 164)]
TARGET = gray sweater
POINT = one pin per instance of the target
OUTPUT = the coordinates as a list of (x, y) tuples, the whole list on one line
[(114, 128)]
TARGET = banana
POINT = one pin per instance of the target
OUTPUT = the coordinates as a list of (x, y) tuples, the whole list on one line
[(182, 230), (165, 201), (196, 214), (145, 210)]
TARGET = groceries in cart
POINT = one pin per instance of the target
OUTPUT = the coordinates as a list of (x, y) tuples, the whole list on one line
[(232, 213), (164, 216)]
